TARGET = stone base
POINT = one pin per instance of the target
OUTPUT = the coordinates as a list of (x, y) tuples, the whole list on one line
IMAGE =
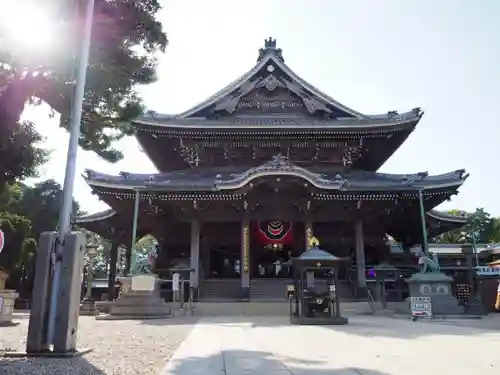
[(245, 293), (436, 286), (329, 321), (361, 292), (7, 300), (88, 308), (132, 317), (196, 293), (48, 354), (136, 301), (475, 306)]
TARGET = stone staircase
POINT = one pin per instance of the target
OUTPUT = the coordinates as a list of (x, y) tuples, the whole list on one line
[(262, 290), (215, 290), (345, 291), (269, 290)]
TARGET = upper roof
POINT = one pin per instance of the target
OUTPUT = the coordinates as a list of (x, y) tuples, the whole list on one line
[(235, 177), (271, 96)]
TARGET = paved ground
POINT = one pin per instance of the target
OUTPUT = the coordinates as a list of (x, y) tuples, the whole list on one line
[(368, 346)]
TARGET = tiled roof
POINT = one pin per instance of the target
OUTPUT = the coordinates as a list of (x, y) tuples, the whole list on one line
[(227, 178)]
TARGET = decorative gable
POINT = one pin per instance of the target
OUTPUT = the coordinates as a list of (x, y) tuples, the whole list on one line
[(271, 88)]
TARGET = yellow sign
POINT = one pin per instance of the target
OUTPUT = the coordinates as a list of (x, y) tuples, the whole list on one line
[(246, 249)]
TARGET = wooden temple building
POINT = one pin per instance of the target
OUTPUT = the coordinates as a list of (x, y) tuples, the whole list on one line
[(246, 177)]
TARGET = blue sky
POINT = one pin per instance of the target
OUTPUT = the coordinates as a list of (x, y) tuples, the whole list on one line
[(373, 56)]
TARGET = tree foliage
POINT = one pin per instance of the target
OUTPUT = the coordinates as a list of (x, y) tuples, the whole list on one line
[(480, 228), (26, 212), (17, 241), (39, 203), (20, 152), (125, 39)]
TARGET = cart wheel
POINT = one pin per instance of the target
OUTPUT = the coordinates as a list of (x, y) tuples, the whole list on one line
[(413, 318)]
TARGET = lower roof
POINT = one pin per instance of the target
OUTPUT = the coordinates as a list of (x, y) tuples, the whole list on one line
[(437, 221)]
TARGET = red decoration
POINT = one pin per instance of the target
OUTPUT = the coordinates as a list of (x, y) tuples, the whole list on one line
[(274, 232)]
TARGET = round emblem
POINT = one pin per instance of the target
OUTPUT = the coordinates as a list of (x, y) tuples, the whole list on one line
[(270, 68), (275, 228)]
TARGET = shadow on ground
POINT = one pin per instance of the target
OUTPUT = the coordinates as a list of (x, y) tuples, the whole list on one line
[(361, 325), (256, 362), (48, 366)]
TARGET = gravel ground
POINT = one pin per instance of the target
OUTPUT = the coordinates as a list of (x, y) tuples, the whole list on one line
[(131, 347)]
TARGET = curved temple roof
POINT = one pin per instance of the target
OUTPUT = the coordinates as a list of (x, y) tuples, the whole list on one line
[(262, 74), (229, 178)]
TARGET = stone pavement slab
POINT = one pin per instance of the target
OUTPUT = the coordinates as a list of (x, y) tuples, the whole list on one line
[(367, 346)]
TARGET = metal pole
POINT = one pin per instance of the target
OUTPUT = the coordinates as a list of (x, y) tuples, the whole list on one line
[(425, 245), (474, 243), (134, 223), (69, 177)]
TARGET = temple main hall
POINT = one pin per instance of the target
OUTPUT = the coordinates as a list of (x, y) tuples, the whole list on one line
[(247, 177)]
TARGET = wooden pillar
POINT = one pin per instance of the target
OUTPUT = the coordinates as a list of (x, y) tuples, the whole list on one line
[(128, 260), (245, 259), (308, 228), (195, 256), (360, 257), (112, 271)]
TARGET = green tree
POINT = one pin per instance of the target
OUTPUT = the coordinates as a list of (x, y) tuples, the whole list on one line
[(491, 231), (17, 241), (480, 224), (125, 39), (26, 212), (20, 152), (39, 203), (477, 225)]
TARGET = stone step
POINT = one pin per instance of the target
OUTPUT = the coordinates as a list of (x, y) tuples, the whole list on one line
[(260, 308), (220, 290), (269, 289), (261, 289)]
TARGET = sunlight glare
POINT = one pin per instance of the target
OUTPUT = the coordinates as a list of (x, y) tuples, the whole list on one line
[(28, 27)]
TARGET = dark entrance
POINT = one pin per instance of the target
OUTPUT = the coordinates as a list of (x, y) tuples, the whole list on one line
[(224, 262), (272, 261)]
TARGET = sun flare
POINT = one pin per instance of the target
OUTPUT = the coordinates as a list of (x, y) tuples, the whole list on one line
[(28, 26)]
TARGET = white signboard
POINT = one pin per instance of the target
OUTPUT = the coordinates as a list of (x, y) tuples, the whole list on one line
[(2, 240), (175, 282), (143, 283), (488, 271), (421, 307)]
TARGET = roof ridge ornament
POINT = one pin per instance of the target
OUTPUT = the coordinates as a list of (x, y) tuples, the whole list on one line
[(270, 47), (280, 161)]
